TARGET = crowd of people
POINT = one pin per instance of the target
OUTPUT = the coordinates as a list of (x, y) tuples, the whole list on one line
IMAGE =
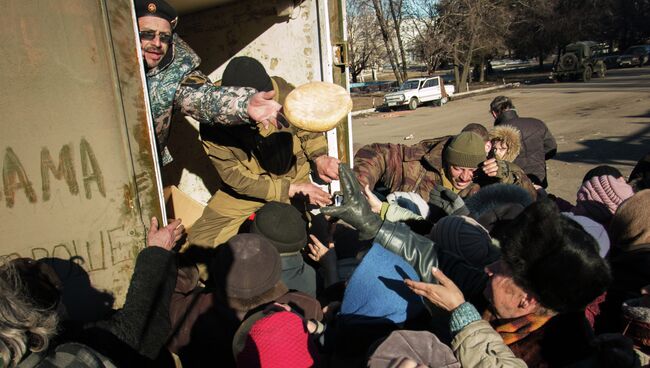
[(450, 252)]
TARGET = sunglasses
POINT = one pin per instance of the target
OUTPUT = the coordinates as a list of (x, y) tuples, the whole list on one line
[(151, 35)]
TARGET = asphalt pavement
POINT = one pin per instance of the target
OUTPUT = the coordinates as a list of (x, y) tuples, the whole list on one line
[(603, 121)]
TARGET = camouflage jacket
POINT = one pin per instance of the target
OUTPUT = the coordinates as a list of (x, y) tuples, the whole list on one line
[(176, 85), (418, 168), (241, 174)]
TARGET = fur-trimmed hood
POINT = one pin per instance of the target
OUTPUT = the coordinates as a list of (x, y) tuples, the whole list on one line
[(509, 135)]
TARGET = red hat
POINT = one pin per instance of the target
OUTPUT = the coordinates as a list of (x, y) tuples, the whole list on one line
[(279, 340)]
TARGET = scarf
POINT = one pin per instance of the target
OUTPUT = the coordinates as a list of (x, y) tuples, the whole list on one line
[(516, 329)]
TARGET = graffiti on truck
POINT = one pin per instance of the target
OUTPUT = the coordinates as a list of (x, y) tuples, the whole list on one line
[(16, 179)]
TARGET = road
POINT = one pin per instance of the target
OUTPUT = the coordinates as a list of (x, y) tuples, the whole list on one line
[(604, 121)]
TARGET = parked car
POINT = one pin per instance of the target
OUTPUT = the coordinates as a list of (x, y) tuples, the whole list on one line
[(578, 61), (635, 56), (415, 92)]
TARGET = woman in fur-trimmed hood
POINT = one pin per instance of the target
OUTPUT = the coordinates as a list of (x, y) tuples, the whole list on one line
[(506, 141)]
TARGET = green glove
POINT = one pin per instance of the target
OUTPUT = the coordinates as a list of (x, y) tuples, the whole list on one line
[(355, 209), (448, 201)]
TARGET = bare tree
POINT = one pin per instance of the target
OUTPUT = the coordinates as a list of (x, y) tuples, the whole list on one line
[(396, 11), (386, 35), (364, 39), (472, 27)]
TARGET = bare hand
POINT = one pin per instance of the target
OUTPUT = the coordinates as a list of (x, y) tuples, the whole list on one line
[(316, 195), (375, 203), (262, 108), (320, 253), (166, 237), (446, 295), (490, 167), (327, 168)]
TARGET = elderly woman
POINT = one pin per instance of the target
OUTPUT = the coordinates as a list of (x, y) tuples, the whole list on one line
[(133, 336)]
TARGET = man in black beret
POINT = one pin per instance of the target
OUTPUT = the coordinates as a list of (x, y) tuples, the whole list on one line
[(175, 83)]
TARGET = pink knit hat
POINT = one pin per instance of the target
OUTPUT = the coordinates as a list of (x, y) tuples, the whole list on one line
[(605, 189), (279, 340)]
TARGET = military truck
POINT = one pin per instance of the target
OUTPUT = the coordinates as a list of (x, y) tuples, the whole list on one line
[(81, 177), (578, 62)]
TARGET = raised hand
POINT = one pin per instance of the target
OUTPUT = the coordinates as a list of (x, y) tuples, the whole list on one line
[(355, 209)]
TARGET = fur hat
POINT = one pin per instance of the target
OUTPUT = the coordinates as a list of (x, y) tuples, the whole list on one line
[(283, 225), (278, 340), (511, 137), (630, 226), (248, 269), (466, 150), (423, 347), (495, 205), (553, 257)]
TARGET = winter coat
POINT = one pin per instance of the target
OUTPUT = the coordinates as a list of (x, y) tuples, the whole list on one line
[(244, 184), (418, 168), (402, 168), (538, 145), (479, 345), (135, 334), (177, 84), (511, 137)]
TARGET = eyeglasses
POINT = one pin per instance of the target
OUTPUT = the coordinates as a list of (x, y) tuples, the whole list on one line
[(151, 35)]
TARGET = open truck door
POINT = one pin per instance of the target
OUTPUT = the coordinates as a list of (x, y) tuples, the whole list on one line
[(80, 180)]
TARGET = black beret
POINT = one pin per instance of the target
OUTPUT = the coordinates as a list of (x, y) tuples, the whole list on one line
[(156, 8)]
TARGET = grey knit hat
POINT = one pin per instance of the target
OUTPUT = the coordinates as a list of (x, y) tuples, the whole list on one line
[(466, 150)]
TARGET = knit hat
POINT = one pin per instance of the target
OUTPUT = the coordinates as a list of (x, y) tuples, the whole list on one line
[(553, 257), (283, 225), (244, 71), (308, 307), (376, 290), (630, 226), (466, 150), (423, 347), (606, 190), (156, 8), (511, 137), (466, 238), (602, 170), (278, 340), (594, 229), (248, 268)]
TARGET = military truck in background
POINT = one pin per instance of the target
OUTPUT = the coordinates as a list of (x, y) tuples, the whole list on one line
[(578, 61), (81, 177)]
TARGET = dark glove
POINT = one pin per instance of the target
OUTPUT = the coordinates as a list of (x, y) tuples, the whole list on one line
[(447, 201), (503, 173), (355, 209)]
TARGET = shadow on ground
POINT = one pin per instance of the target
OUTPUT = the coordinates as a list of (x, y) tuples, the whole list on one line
[(611, 150)]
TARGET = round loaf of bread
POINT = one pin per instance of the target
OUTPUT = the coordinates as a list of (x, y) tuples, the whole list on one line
[(317, 106)]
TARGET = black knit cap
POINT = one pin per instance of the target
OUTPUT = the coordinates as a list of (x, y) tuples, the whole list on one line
[(247, 266), (283, 225), (553, 257), (602, 170), (156, 8), (244, 71)]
